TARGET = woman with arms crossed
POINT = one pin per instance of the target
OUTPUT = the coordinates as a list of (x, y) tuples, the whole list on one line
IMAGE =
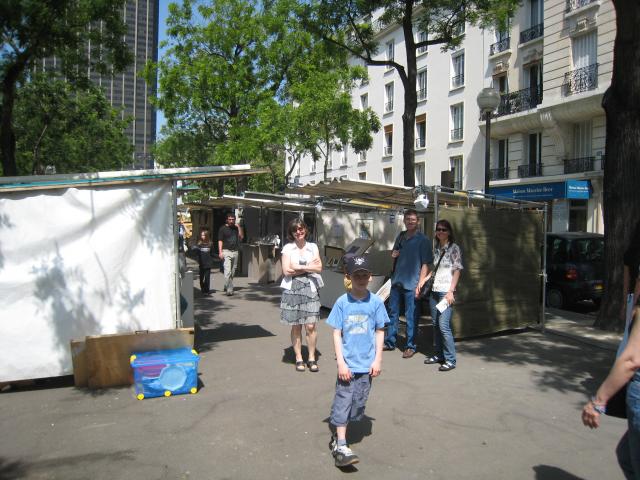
[(300, 304)]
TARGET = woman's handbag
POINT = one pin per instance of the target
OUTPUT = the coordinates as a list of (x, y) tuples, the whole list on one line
[(425, 291), (617, 405)]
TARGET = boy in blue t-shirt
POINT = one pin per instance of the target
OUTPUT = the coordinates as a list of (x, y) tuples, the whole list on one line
[(358, 319)]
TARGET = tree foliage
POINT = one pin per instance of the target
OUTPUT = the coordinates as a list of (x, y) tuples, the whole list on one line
[(66, 129), (78, 33), (237, 82), (353, 26)]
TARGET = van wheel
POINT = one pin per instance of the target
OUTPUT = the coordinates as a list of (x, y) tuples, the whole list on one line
[(555, 298)]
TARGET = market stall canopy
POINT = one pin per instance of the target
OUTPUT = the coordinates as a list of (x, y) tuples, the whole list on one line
[(232, 201), (389, 196), (34, 182)]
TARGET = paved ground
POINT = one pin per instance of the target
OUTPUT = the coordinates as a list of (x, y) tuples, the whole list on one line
[(510, 411)]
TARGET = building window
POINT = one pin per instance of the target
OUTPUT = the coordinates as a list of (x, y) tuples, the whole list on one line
[(457, 69), (582, 139), (455, 165), (343, 154), (421, 131), (577, 215), (502, 170), (362, 156), (533, 167), (536, 12), (533, 77), (419, 173), (457, 122), (422, 85), (388, 140), (364, 101), (391, 48), (362, 176), (387, 173), (422, 37), (584, 75), (388, 97), (313, 165), (502, 84)]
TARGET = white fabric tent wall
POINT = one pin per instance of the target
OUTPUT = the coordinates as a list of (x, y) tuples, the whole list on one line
[(82, 261)]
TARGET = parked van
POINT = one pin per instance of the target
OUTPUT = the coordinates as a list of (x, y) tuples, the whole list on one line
[(575, 268)]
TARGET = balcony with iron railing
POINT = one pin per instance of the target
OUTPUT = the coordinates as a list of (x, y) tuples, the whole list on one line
[(576, 4), (388, 107), (499, 173), (421, 142), (388, 150), (532, 33), (500, 46), (579, 165), (530, 170), (456, 134), (580, 80), (514, 102), (457, 81), (422, 94)]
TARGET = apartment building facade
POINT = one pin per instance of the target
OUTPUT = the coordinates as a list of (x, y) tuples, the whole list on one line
[(446, 127), (551, 67), (127, 90)]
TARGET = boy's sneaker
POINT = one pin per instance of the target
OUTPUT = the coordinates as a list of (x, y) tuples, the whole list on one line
[(344, 456), (447, 366), (333, 443)]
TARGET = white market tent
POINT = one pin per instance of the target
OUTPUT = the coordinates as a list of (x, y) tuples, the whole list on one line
[(87, 254)]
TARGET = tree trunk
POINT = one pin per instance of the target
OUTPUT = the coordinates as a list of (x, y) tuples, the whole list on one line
[(7, 137), (621, 203), (410, 100)]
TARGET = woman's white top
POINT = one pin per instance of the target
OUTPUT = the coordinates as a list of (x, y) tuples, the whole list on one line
[(451, 262), (300, 256)]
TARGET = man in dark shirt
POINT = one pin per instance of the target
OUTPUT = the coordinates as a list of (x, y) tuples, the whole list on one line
[(229, 237)]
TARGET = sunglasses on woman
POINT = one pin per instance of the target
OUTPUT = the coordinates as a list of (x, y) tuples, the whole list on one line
[(441, 230)]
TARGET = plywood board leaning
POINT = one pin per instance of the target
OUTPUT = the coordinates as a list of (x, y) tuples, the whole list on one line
[(79, 362), (108, 355)]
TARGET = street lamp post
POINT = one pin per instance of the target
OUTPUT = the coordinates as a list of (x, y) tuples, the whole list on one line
[(488, 100)]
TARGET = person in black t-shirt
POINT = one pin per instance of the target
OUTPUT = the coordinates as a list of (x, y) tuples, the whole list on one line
[(229, 237)]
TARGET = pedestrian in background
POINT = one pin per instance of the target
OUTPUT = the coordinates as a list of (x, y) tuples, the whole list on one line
[(412, 256), (229, 237), (300, 304), (358, 319), (205, 257), (448, 258)]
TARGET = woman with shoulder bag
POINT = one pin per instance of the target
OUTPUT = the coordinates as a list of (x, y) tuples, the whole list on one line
[(447, 274)]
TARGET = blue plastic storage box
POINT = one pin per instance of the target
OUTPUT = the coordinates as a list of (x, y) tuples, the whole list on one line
[(165, 372)]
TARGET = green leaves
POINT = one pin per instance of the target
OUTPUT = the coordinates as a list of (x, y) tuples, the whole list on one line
[(70, 130), (244, 82)]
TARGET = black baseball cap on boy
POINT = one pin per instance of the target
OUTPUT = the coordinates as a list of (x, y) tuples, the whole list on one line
[(358, 262)]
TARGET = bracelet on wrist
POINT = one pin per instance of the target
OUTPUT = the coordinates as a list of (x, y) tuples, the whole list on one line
[(601, 409)]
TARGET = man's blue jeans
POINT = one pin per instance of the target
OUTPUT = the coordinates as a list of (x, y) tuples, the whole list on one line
[(442, 334), (628, 450), (411, 312)]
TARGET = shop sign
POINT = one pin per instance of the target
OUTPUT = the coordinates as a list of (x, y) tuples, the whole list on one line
[(577, 189)]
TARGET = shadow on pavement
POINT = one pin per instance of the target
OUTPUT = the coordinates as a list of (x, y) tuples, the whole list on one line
[(561, 362), (288, 356), (10, 470), (547, 472), (222, 332)]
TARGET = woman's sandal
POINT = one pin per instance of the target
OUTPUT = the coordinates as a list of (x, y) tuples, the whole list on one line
[(313, 366), (300, 366)]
